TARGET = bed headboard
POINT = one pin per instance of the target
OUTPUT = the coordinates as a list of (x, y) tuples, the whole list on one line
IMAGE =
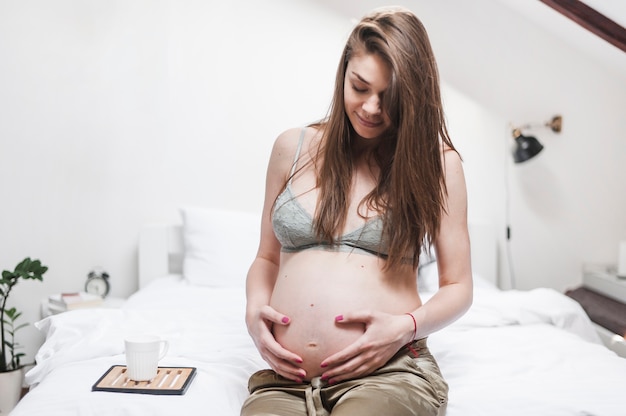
[(161, 251)]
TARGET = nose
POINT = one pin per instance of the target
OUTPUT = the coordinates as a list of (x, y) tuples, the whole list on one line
[(371, 106)]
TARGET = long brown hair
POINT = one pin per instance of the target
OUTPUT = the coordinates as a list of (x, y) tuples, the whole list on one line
[(411, 186)]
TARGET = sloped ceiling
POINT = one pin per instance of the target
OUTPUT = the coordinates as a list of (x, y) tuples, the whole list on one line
[(591, 19), (569, 20)]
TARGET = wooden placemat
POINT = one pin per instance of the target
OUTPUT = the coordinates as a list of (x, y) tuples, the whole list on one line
[(169, 381)]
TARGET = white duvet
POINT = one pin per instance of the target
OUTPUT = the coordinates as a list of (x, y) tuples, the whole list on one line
[(513, 353)]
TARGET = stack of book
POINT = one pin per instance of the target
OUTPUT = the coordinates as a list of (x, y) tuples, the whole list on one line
[(61, 302)]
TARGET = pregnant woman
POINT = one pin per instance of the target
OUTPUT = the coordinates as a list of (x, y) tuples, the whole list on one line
[(351, 203)]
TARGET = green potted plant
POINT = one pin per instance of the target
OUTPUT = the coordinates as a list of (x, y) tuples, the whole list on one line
[(10, 367)]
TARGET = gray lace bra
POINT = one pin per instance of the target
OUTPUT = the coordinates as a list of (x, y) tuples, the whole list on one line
[(293, 227)]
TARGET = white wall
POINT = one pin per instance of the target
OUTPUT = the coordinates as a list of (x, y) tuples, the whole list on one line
[(116, 113)]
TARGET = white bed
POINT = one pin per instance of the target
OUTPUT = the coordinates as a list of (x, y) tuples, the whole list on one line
[(514, 353)]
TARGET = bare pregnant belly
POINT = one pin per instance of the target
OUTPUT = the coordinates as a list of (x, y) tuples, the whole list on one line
[(313, 297), (313, 333)]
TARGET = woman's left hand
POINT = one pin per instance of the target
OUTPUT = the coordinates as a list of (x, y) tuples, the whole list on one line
[(384, 335)]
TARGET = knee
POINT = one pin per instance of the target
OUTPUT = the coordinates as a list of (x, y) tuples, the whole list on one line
[(273, 406)]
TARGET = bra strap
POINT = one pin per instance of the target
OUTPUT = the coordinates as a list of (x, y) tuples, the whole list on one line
[(297, 156)]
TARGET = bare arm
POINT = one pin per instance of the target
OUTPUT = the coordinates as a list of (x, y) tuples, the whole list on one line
[(260, 317), (452, 246)]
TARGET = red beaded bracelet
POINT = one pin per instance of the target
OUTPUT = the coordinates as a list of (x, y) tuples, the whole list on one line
[(414, 326), (409, 345)]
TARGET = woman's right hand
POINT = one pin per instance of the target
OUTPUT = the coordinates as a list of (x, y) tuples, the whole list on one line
[(282, 361)]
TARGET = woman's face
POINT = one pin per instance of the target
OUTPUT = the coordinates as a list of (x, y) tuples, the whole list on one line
[(367, 78)]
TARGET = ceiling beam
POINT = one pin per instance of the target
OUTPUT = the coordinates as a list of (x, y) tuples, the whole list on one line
[(591, 20)]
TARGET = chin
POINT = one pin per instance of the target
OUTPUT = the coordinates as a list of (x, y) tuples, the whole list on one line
[(369, 134), (366, 132)]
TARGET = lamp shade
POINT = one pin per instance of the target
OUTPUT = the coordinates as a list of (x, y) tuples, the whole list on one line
[(526, 147)]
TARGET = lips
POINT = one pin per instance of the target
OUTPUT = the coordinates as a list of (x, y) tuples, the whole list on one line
[(367, 123)]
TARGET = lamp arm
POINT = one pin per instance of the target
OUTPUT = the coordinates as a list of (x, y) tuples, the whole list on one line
[(555, 124)]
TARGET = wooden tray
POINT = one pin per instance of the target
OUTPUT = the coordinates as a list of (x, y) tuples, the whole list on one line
[(169, 381)]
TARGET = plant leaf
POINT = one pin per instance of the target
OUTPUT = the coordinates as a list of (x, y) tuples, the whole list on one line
[(20, 327)]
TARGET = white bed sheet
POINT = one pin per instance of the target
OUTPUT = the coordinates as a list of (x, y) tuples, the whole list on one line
[(513, 353), (526, 362), (205, 328)]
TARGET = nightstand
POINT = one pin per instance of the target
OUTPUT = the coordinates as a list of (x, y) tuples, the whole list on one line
[(603, 297), (48, 309)]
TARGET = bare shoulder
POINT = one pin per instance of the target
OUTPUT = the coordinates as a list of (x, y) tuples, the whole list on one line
[(286, 144), (284, 150), (288, 140), (454, 176), (452, 162)]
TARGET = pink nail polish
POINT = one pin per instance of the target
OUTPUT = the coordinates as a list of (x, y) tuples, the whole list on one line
[(284, 320), (299, 361), (339, 318), (324, 365)]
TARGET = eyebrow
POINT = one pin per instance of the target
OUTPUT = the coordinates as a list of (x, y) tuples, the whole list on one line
[(360, 78)]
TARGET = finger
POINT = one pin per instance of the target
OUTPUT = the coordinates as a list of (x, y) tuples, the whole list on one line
[(271, 314), (364, 317), (269, 347), (274, 349), (289, 371), (344, 355), (286, 367), (360, 366), (287, 355), (360, 371)]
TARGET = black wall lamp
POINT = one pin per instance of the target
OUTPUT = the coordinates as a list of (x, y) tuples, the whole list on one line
[(527, 147)]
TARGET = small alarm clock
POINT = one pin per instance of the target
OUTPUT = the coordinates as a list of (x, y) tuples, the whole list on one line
[(98, 283)]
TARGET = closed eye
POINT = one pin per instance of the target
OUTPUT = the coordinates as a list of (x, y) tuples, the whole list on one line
[(359, 90)]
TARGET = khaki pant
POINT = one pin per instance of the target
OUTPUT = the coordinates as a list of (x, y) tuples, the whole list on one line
[(406, 385)]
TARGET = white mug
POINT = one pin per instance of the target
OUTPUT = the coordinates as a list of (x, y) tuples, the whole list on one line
[(143, 353)]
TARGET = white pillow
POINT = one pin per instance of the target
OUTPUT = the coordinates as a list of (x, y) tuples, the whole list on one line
[(427, 257), (220, 245), (428, 277)]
